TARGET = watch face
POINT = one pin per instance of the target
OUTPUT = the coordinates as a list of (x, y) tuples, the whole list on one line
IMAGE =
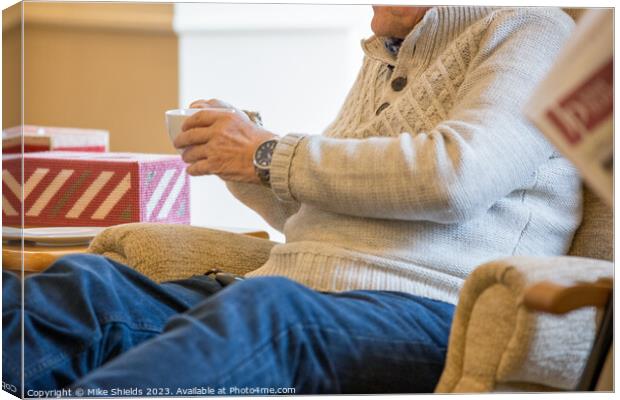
[(264, 153)]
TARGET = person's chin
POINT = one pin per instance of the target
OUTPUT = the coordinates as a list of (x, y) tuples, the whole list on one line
[(375, 28), (380, 32)]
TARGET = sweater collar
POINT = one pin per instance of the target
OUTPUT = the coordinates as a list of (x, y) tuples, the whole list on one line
[(438, 27)]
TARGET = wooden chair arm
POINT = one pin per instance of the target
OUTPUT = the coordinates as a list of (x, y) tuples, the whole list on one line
[(557, 299)]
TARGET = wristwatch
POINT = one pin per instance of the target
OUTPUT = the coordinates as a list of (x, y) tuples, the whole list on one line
[(262, 160)]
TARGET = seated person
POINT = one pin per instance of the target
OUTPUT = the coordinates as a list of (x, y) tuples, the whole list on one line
[(429, 170)]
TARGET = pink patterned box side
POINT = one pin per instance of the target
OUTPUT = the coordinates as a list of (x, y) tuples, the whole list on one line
[(164, 191)]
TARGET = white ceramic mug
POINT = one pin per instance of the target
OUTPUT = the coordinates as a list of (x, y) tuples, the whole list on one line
[(175, 119)]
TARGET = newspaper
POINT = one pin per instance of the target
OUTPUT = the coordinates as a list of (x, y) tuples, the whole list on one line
[(573, 105)]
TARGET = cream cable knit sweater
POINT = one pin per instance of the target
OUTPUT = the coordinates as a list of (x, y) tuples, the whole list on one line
[(411, 196)]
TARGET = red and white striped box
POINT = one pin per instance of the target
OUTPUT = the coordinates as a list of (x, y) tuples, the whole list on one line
[(95, 189), (46, 138)]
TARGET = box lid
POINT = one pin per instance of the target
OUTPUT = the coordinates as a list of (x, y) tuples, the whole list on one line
[(103, 157), (60, 136)]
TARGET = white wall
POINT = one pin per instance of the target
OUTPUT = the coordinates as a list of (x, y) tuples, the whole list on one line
[(293, 63)]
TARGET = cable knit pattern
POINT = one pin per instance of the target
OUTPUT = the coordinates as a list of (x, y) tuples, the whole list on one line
[(413, 195)]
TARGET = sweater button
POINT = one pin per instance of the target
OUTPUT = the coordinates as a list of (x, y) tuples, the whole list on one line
[(399, 83), (382, 107)]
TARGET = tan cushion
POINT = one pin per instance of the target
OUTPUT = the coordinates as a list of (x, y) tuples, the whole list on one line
[(594, 238), (166, 252)]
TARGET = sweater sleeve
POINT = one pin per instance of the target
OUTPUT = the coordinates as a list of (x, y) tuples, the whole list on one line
[(480, 152), (263, 201)]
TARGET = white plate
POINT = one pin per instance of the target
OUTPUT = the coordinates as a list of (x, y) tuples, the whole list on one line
[(56, 235)]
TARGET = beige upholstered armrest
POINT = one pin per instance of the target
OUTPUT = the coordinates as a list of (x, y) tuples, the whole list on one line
[(166, 251), (496, 342)]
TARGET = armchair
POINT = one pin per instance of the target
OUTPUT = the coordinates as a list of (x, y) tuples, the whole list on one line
[(499, 344), (496, 342)]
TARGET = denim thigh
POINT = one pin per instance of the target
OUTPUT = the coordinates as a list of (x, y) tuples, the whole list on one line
[(82, 312), (271, 332)]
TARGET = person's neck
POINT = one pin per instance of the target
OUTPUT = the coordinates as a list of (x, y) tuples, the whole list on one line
[(438, 27)]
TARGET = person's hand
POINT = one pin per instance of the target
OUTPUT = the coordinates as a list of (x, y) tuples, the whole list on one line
[(221, 142)]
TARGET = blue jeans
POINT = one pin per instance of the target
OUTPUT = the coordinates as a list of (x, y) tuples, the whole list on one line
[(99, 328)]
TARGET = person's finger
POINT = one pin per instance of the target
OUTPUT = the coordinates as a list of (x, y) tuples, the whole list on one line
[(199, 104), (219, 103), (192, 137), (216, 103), (202, 167), (192, 154), (204, 118)]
